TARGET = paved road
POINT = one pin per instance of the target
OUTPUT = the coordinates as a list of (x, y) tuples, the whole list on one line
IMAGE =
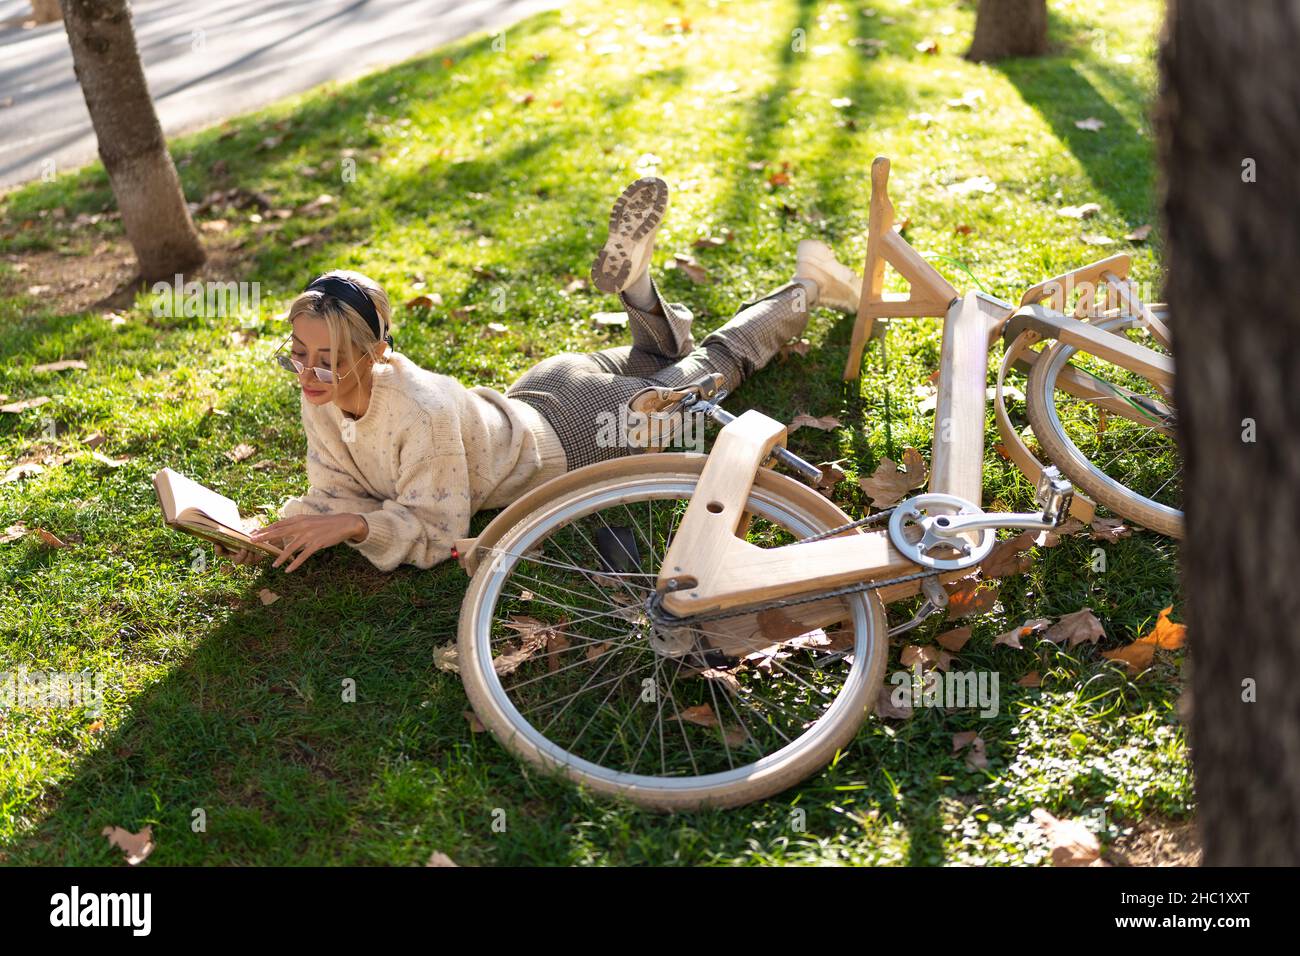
[(250, 53)]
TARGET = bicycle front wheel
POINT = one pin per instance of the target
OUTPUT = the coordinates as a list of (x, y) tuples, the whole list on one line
[(1110, 430), (562, 663)]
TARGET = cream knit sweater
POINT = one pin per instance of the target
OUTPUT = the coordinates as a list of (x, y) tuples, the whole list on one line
[(425, 456)]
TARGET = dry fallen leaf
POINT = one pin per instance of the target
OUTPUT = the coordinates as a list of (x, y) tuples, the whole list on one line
[(973, 743), (59, 366), (1166, 634), (925, 655), (1141, 654), (51, 540), (1078, 628), (954, 640), (1050, 539), (693, 270), (26, 403), (976, 184), (445, 659), (13, 533), (1032, 679), (886, 708), (1094, 239), (135, 846), (832, 475), (702, 715), (438, 858), (1085, 211), (1139, 234), (241, 452), (475, 725), (722, 677), (1008, 557), (888, 484), (534, 635), (556, 643), (795, 347), (103, 459), (825, 423), (1136, 657), (1091, 124), (1013, 637), (268, 596), (1072, 843), (1110, 529), (968, 597), (18, 472)]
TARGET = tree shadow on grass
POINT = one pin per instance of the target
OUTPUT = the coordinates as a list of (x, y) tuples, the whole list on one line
[(248, 753), (1118, 158)]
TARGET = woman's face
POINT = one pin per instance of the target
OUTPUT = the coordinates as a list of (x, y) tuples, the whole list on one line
[(310, 345)]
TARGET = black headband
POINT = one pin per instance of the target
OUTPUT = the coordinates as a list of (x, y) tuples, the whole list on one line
[(350, 293)]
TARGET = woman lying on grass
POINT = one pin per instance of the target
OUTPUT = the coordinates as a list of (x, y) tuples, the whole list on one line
[(399, 458)]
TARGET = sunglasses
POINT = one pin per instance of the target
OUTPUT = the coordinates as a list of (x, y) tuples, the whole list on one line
[(291, 364)]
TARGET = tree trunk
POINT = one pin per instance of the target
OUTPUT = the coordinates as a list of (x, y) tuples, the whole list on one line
[(46, 11), (131, 143), (1009, 28), (1229, 126)]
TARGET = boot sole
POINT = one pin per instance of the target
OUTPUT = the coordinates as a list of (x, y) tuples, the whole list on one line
[(637, 213)]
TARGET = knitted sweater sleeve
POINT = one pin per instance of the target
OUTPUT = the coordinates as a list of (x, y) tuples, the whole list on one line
[(432, 509), (332, 488)]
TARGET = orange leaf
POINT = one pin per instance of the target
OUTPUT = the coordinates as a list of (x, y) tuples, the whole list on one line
[(969, 598), (1166, 634), (1136, 657)]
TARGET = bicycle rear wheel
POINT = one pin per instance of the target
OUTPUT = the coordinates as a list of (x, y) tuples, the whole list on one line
[(563, 666), (1109, 429)]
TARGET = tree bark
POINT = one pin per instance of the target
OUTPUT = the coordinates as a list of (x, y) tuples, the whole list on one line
[(1229, 128), (1009, 28), (131, 143)]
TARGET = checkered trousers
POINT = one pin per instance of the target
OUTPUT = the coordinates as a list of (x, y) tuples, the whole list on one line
[(578, 392)]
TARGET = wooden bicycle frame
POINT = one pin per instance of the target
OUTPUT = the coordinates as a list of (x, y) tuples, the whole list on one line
[(710, 567)]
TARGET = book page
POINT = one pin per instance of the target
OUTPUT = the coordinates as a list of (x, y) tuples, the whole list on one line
[(188, 495)]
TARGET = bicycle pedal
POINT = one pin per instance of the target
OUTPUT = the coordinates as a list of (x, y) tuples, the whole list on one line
[(1055, 495), (617, 549)]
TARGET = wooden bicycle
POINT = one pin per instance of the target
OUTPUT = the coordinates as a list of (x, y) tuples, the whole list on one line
[(686, 630)]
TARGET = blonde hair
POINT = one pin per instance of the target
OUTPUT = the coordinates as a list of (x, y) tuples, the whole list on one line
[(346, 325)]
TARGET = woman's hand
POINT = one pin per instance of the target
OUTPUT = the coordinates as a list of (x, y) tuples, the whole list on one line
[(303, 535), (240, 555)]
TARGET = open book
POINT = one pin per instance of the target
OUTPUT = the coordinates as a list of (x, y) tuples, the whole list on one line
[(188, 506)]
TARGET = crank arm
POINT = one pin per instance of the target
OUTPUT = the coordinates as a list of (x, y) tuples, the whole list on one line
[(936, 599), (1055, 495)]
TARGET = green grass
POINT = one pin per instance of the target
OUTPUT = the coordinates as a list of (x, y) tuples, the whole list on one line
[(506, 161)]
